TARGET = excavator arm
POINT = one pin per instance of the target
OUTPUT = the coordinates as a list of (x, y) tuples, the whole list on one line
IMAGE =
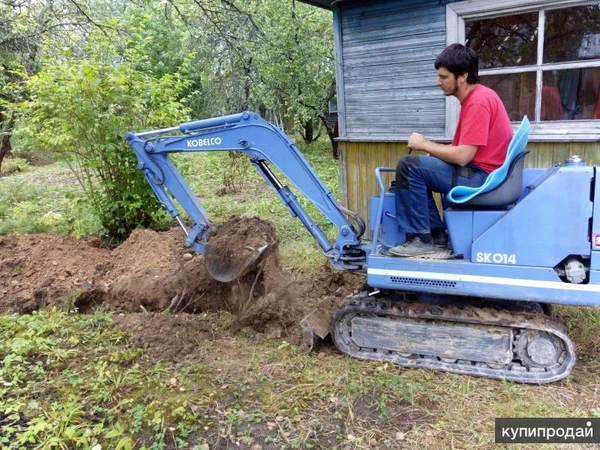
[(264, 144)]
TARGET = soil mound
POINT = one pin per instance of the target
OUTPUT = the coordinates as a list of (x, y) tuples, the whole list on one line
[(153, 272), (38, 270)]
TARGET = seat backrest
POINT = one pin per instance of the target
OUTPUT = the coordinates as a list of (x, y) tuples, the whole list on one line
[(465, 194), (507, 192), (518, 142)]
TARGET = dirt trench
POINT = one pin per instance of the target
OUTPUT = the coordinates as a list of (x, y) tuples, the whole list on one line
[(152, 272)]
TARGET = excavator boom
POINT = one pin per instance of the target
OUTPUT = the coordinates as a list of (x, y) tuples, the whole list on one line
[(264, 144)]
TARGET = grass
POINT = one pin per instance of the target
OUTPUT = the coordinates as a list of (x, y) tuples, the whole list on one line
[(70, 381), (46, 199)]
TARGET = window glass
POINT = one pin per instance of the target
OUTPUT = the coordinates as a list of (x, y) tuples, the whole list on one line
[(572, 34), (504, 41), (571, 94), (517, 91)]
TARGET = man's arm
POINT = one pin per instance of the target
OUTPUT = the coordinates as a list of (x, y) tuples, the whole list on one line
[(454, 154)]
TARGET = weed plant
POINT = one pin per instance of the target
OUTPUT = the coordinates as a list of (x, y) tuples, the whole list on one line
[(74, 382), (14, 164)]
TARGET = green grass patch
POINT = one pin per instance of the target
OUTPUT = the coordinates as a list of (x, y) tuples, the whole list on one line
[(45, 200), (70, 381)]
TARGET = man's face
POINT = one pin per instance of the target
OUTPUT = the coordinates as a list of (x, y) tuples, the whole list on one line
[(447, 81)]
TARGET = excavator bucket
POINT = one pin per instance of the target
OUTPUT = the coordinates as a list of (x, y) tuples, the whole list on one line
[(226, 265)]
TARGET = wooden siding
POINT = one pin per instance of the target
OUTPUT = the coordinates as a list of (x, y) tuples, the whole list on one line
[(389, 82), (360, 159), (547, 154)]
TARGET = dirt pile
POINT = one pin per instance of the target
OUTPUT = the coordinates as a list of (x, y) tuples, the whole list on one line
[(38, 270), (154, 272)]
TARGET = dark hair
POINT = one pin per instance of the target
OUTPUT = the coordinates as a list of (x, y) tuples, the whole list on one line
[(459, 59)]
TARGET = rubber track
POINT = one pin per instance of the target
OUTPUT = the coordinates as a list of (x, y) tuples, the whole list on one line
[(365, 306)]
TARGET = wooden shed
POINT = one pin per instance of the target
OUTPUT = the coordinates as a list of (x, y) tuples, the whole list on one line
[(542, 57)]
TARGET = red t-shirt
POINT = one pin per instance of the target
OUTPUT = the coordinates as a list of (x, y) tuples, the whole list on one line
[(483, 122)]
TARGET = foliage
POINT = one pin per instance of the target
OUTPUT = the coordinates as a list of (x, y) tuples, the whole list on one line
[(99, 69), (270, 56), (32, 348), (81, 109), (45, 200), (11, 92), (15, 164), (23, 26), (235, 173), (294, 57), (69, 381)]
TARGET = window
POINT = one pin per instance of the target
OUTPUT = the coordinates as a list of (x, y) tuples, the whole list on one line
[(333, 106), (541, 57)]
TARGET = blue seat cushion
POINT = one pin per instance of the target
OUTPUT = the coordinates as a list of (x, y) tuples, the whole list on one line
[(462, 194)]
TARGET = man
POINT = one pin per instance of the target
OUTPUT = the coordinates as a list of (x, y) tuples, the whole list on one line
[(479, 146)]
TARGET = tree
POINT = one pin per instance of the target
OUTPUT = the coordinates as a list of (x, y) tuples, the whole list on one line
[(295, 61), (24, 27), (16, 55), (272, 56)]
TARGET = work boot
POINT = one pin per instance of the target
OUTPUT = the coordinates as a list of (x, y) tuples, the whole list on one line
[(440, 238), (414, 246)]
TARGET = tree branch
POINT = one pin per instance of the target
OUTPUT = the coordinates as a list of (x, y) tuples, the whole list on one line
[(101, 27)]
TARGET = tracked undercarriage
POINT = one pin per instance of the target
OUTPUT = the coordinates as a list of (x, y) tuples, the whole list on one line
[(526, 347)]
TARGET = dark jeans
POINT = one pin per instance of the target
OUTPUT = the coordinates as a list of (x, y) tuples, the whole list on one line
[(417, 176)]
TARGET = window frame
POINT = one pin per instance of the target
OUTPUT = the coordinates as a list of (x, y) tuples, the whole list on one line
[(548, 131)]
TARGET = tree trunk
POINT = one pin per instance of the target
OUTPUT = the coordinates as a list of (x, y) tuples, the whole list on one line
[(5, 147), (332, 133), (308, 134)]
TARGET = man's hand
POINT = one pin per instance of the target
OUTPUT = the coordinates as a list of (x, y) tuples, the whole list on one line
[(416, 141), (459, 154)]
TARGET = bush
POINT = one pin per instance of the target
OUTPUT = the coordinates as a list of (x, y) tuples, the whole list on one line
[(14, 164), (82, 109)]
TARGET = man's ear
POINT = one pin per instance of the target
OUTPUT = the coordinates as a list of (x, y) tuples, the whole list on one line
[(463, 77)]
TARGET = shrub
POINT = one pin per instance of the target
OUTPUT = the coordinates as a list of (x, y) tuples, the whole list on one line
[(81, 110), (14, 164)]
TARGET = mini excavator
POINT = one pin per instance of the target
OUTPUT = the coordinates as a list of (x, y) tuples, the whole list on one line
[(484, 308)]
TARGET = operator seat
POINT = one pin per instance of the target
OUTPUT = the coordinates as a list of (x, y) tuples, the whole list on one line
[(503, 186)]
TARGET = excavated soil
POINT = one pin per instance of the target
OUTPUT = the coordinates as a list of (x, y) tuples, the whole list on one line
[(152, 272)]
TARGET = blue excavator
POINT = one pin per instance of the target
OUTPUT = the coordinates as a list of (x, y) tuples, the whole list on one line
[(525, 241)]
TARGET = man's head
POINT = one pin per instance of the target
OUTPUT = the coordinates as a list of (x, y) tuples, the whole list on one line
[(457, 67)]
